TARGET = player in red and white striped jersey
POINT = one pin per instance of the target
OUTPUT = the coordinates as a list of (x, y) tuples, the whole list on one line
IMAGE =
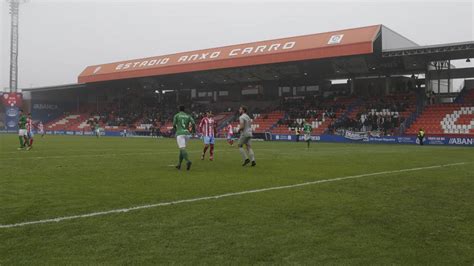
[(208, 129), (29, 131), (230, 134)]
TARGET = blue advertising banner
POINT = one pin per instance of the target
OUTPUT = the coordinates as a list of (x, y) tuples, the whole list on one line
[(84, 133), (11, 121), (461, 141), (457, 141)]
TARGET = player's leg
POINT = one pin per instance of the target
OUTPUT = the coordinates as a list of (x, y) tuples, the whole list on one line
[(245, 157), (20, 137), (211, 150), (180, 142), (206, 146), (183, 154), (26, 139), (250, 152), (30, 140)]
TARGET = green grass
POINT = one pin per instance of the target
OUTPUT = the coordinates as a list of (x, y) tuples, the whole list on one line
[(417, 217)]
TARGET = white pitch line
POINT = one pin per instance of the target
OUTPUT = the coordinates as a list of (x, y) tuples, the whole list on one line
[(148, 206)]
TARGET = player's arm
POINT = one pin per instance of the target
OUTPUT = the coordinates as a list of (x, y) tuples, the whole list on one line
[(175, 122), (242, 125), (201, 125), (193, 125)]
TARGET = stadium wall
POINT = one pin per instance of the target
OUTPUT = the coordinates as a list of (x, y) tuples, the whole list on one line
[(410, 140)]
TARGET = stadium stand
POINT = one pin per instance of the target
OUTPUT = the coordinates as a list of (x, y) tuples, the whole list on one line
[(449, 118), (326, 115), (384, 114), (66, 122), (320, 113)]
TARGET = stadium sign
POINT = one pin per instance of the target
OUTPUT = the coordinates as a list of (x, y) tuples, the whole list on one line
[(461, 141), (436, 140), (40, 106), (262, 48), (335, 39), (12, 99), (11, 124), (205, 56), (364, 136), (12, 112), (409, 140), (11, 118)]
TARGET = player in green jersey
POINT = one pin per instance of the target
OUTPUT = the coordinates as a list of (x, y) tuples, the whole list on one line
[(22, 132), (307, 133), (184, 125)]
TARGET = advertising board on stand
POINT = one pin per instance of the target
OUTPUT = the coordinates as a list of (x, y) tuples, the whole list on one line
[(356, 137)]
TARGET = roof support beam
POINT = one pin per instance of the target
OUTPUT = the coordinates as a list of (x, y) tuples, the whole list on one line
[(457, 73)]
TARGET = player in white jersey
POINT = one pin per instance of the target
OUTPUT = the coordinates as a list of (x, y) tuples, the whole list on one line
[(41, 128), (246, 137)]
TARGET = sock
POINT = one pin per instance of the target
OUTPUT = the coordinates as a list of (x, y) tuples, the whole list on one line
[(21, 141), (205, 150), (185, 155), (244, 154), (180, 157), (308, 143), (251, 155), (211, 151), (31, 142), (26, 141)]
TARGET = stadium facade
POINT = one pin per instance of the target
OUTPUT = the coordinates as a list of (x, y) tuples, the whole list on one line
[(374, 63)]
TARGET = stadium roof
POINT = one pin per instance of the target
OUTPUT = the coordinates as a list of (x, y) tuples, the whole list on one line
[(55, 88), (349, 42), (448, 51)]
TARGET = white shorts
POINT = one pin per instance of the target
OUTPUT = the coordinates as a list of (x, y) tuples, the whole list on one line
[(307, 137), (182, 140), (22, 132)]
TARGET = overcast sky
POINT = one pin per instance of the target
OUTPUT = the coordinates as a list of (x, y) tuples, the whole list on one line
[(58, 39)]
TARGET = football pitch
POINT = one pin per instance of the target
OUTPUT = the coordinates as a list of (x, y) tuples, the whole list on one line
[(82, 200)]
